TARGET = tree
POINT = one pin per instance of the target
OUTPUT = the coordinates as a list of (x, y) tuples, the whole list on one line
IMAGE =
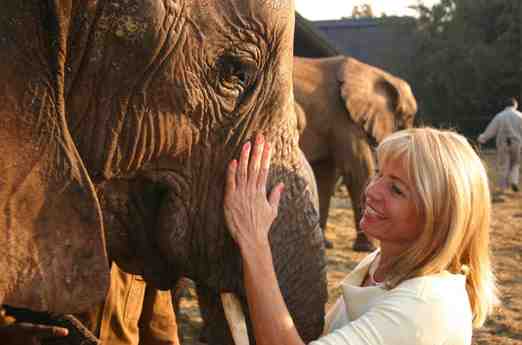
[(356, 12), (367, 11), (468, 58), (362, 11)]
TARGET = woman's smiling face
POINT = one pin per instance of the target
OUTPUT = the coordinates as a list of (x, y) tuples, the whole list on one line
[(390, 213)]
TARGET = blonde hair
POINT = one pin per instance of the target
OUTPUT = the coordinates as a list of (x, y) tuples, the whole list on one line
[(454, 202)]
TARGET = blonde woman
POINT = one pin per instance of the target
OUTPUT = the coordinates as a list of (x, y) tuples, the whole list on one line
[(431, 280)]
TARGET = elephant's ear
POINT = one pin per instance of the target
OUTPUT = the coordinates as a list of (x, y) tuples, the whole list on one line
[(376, 100), (52, 246)]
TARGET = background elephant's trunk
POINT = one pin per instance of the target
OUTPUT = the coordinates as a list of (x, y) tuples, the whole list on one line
[(355, 186), (356, 165)]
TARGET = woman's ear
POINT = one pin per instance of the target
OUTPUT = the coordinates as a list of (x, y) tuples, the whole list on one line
[(51, 233)]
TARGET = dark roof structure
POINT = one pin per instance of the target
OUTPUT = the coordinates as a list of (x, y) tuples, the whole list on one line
[(387, 43), (309, 42)]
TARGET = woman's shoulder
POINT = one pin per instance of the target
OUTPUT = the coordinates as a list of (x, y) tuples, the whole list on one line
[(435, 305), (430, 310), (442, 296), (439, 285)]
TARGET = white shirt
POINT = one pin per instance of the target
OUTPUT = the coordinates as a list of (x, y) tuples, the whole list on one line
[(506, 124), (429, 310)]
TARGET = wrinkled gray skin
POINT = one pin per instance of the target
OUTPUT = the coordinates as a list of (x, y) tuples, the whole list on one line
[(344, 107), (158, 96)]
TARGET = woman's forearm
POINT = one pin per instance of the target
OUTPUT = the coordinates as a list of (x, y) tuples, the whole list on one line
[(271, 320), (249, 214)]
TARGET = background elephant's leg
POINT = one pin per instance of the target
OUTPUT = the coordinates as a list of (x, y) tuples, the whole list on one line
[(326, 177), (354, 159)]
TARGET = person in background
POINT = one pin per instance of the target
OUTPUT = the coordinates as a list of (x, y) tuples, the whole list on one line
[(506, 126), (430, 282)]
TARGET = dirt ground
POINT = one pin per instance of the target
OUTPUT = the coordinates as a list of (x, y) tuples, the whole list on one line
[(503, 327)]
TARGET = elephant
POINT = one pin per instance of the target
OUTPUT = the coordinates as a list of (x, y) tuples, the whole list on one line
[(118, 120), (345, 107)]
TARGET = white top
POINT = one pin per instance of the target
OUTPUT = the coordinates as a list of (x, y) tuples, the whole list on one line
[(429, 310)]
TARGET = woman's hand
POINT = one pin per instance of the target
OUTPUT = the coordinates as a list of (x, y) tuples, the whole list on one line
[(248, 212)]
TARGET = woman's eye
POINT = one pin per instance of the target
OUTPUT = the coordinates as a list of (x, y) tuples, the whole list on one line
[(396, 190)]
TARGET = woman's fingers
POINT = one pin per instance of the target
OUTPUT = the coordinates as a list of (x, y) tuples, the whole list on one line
[(231, 176), (242, 176), (255, 160), (265, 167), (275, 196), (247, 211), (253, 163)]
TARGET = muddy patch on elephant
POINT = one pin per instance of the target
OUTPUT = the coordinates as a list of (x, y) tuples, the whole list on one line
[(504, 327)]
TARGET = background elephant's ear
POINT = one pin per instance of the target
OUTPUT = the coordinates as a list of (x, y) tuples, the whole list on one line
[(52, 247), (376, 100)]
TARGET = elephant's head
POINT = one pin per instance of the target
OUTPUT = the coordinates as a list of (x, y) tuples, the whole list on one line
[(348, 106), (159, 96)]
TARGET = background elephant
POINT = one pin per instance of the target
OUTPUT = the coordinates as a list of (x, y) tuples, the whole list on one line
[(344, 107), (158, 97)]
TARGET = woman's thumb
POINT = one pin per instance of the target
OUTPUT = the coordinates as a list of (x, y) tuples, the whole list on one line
[(275, 195)]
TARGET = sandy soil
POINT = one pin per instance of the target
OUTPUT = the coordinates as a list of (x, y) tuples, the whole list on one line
[(503, 327)]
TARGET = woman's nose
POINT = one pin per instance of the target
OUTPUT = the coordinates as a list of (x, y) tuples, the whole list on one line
[(374, 189)]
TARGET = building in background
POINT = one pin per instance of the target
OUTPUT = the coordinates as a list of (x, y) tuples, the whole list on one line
[(386, 42)]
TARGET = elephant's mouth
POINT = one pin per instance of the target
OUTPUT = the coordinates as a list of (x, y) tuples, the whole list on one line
[(163, 201), (174, 227), (143, 217)]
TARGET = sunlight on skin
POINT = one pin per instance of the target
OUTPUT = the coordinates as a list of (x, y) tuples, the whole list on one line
[(288, 323)]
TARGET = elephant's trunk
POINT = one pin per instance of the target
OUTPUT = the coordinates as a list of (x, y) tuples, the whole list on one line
[(297, 248)]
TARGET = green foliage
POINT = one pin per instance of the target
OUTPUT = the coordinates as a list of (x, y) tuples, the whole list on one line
[(467, 59)]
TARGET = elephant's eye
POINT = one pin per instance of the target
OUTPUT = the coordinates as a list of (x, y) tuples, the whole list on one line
[(236, 74)]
